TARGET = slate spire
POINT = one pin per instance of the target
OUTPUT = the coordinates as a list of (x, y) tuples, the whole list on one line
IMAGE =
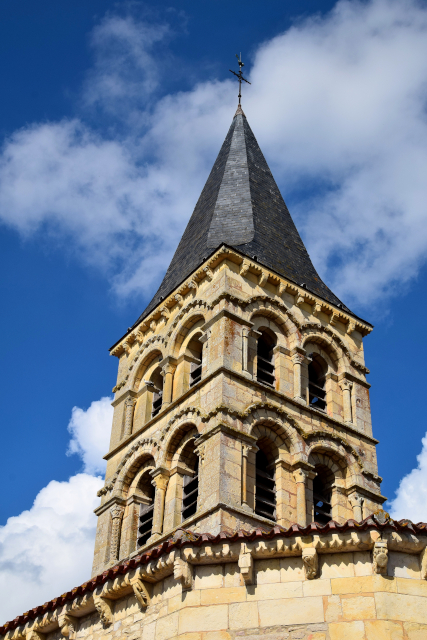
[(242, 207)]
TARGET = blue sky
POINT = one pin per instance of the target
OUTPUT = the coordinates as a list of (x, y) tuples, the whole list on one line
[(112, 115)]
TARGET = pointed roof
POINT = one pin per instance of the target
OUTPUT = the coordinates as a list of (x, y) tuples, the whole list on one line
[(241, 206)]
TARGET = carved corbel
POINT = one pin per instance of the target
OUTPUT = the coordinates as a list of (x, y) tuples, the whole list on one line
[(263, 278), (244, 268), (192, 284), (209, 273), (104, 607), (311, 562), (182, 572), (126, 347), (380, 557), (317, 309), (153, 325), (139, 338), (179, 299), (164, 311), (246, 565), (334, 319), (299, 300), (68, 625), (351, 327), (281, 289), (141, 592)]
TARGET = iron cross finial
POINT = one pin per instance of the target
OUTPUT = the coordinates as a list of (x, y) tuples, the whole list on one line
[(240, 76)]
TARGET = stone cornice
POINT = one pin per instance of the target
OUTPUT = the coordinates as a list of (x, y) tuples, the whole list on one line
[(195, 549)]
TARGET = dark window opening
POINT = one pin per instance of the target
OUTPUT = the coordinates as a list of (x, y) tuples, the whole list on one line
[(322, 501), (190, 493), (196, 348), (146, 513), (316, 383), (265, 367), (265, 488), (157, 380)]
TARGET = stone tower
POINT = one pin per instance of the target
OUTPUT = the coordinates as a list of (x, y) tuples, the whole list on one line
[(241, 399), (241, 498)]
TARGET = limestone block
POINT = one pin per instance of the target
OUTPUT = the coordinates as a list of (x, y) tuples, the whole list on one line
[(358, 607), (333, 608), (336, 564), (383, 630), (167, 627), (290, 611), (347, 630), (316, 587), (415, 631), (210, 618), (363, 584), (267, 571), (291, 569), (362, 563), (403, 565), (216, 635), (275, 591), (412, 587), (243, 615), (223, 596), (208, 577), (184, 599), (393, 606)]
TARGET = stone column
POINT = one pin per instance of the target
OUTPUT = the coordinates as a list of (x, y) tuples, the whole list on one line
[(301, 478), (245, 349), (356, 502), (246, 449), (167, 372), (130, 403), (298, 359), (116, 512), (346, 387), (160, 481)]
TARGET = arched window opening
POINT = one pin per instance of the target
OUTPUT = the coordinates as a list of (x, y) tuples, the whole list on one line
[(145, 523), (322, 495), (190, 493), (196, 349), (316, 382), (265, 366), (265, 487), (157, 380)]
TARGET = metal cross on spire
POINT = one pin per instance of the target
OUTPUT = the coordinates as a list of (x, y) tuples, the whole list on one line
[(240, 76)]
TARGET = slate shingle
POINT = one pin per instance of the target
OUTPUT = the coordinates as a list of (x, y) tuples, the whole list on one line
[(241, 206)]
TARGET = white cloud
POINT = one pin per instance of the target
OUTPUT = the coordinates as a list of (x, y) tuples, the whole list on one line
[(48, 549), (337, 103), (411, 496), (90, 431)]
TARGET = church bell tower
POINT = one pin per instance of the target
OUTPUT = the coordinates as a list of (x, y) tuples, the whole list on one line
[(241, 400)]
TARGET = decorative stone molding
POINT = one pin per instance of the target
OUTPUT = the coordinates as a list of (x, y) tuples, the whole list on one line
[(246, 565), (68, 625), (104, 607), (34, 634), (182, 571), (149, 443), (311, 562), (116, 513), (130, 403), (380, 557)]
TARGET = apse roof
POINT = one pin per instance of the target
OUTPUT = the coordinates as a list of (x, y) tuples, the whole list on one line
[(241, 206)]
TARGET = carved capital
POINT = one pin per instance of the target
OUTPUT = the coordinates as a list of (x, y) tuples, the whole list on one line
[(200, 451), (182, 572), (298, 358), (68, 625), (380, 557), (117, 511), (300, 475), (345, 385), (311, 562), (105, 609), (160, 479)]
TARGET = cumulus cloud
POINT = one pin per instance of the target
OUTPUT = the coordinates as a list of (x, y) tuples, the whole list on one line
[(48, 549), (337, 103), (411, 496), (90, 431)]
